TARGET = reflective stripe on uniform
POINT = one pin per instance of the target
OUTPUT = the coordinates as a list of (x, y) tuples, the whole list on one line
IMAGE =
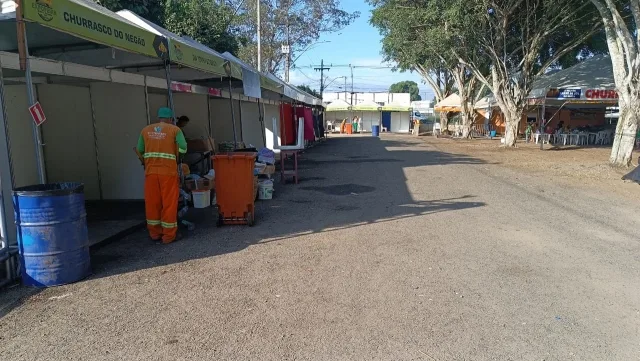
[(169, 225), (159, 155), (152, 222)]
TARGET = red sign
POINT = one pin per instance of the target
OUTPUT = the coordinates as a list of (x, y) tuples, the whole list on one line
[(215, 92), (181, 87), (601, 94), (37, 113)]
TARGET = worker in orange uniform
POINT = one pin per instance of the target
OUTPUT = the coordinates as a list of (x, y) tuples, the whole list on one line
[(160, 145)]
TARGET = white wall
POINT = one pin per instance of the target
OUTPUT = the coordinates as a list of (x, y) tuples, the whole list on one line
[(270, 112), (369, 119), (69, 152), (193, 106), (120, 113), (156, 101), (251, 126), (221, 125), (400, 122), (23, 152)]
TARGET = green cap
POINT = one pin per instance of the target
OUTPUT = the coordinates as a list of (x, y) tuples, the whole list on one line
[(165, 113)]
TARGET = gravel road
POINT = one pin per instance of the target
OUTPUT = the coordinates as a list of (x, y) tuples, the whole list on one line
[(389, 249)]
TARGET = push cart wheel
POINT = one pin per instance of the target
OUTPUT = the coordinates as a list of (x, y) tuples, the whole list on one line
[(249, 217)]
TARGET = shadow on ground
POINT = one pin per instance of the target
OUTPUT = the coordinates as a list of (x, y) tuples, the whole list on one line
[(346, 182)]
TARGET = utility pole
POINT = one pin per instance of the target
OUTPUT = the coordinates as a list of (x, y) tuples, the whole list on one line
[(322, 68), (345, 88), (351, 83), (259, 47)]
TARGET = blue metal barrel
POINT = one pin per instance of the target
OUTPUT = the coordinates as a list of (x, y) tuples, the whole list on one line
[(375, 130), (52, 233)]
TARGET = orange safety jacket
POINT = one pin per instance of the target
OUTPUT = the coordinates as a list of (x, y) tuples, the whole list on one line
[(160, 144)]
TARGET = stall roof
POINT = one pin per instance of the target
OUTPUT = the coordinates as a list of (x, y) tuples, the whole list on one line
[(395, 107), (579, 82), (250, 77), (53, 33), (186, 51), (338, 105), (367, 106), (449, 104), (486, 102)]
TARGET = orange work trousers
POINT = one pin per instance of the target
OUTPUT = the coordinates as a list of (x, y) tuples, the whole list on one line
[(161, 193)]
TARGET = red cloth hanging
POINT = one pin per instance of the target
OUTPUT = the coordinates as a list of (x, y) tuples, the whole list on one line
[(287, 125)]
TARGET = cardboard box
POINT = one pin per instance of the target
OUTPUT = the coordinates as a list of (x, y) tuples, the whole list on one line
[(200, 184), (200, 145)]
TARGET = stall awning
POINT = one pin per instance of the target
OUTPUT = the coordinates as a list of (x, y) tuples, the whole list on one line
[(449, 104), (250, 77), (338, 105), (394, 107), (87, 20), (185, 51), (487, 102), (367, 106), (590, 81)]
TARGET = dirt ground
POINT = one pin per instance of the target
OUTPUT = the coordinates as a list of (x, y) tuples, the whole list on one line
[(390, 248), (579, 166)]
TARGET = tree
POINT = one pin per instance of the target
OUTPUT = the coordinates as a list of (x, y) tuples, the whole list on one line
[(207, 21), (399, 45), (203, 20), (306, 88), (407, 86), (522, 39), (298, 23), (415, 35), (623, 42)]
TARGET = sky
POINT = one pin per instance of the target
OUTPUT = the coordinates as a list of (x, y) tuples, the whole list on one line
[(358, 44)]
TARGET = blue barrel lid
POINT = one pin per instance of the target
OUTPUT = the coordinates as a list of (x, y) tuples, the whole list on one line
[(51, 189)]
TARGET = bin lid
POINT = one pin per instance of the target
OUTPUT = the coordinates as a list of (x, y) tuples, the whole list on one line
[(50, 189)]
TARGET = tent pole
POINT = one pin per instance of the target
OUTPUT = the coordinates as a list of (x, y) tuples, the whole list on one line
[(240, 117), (233, 117), (261, 119), (25, 65), (7, 229), (209, 116), (542, 122), (167, 72), (95, 141)]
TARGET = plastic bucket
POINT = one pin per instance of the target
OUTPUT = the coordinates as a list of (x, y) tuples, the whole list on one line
[(201, 198), (265, 190), (492, 133), (375, 130)]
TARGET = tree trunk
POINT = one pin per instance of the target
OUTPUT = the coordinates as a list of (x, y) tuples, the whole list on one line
[(625, 136), (444, 122), (466, 125), (512, 117)]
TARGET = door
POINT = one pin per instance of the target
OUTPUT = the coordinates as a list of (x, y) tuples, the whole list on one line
[(386, 120)]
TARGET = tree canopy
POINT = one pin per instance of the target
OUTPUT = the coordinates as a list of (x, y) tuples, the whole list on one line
[(308, 89), (208, 21), (407, 86)]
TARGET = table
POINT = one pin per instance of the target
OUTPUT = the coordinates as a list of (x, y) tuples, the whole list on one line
[(284, 154)]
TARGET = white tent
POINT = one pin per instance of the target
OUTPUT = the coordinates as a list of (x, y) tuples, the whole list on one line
[(589, 81), (369, 112), (449, 104), (338, 105)]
